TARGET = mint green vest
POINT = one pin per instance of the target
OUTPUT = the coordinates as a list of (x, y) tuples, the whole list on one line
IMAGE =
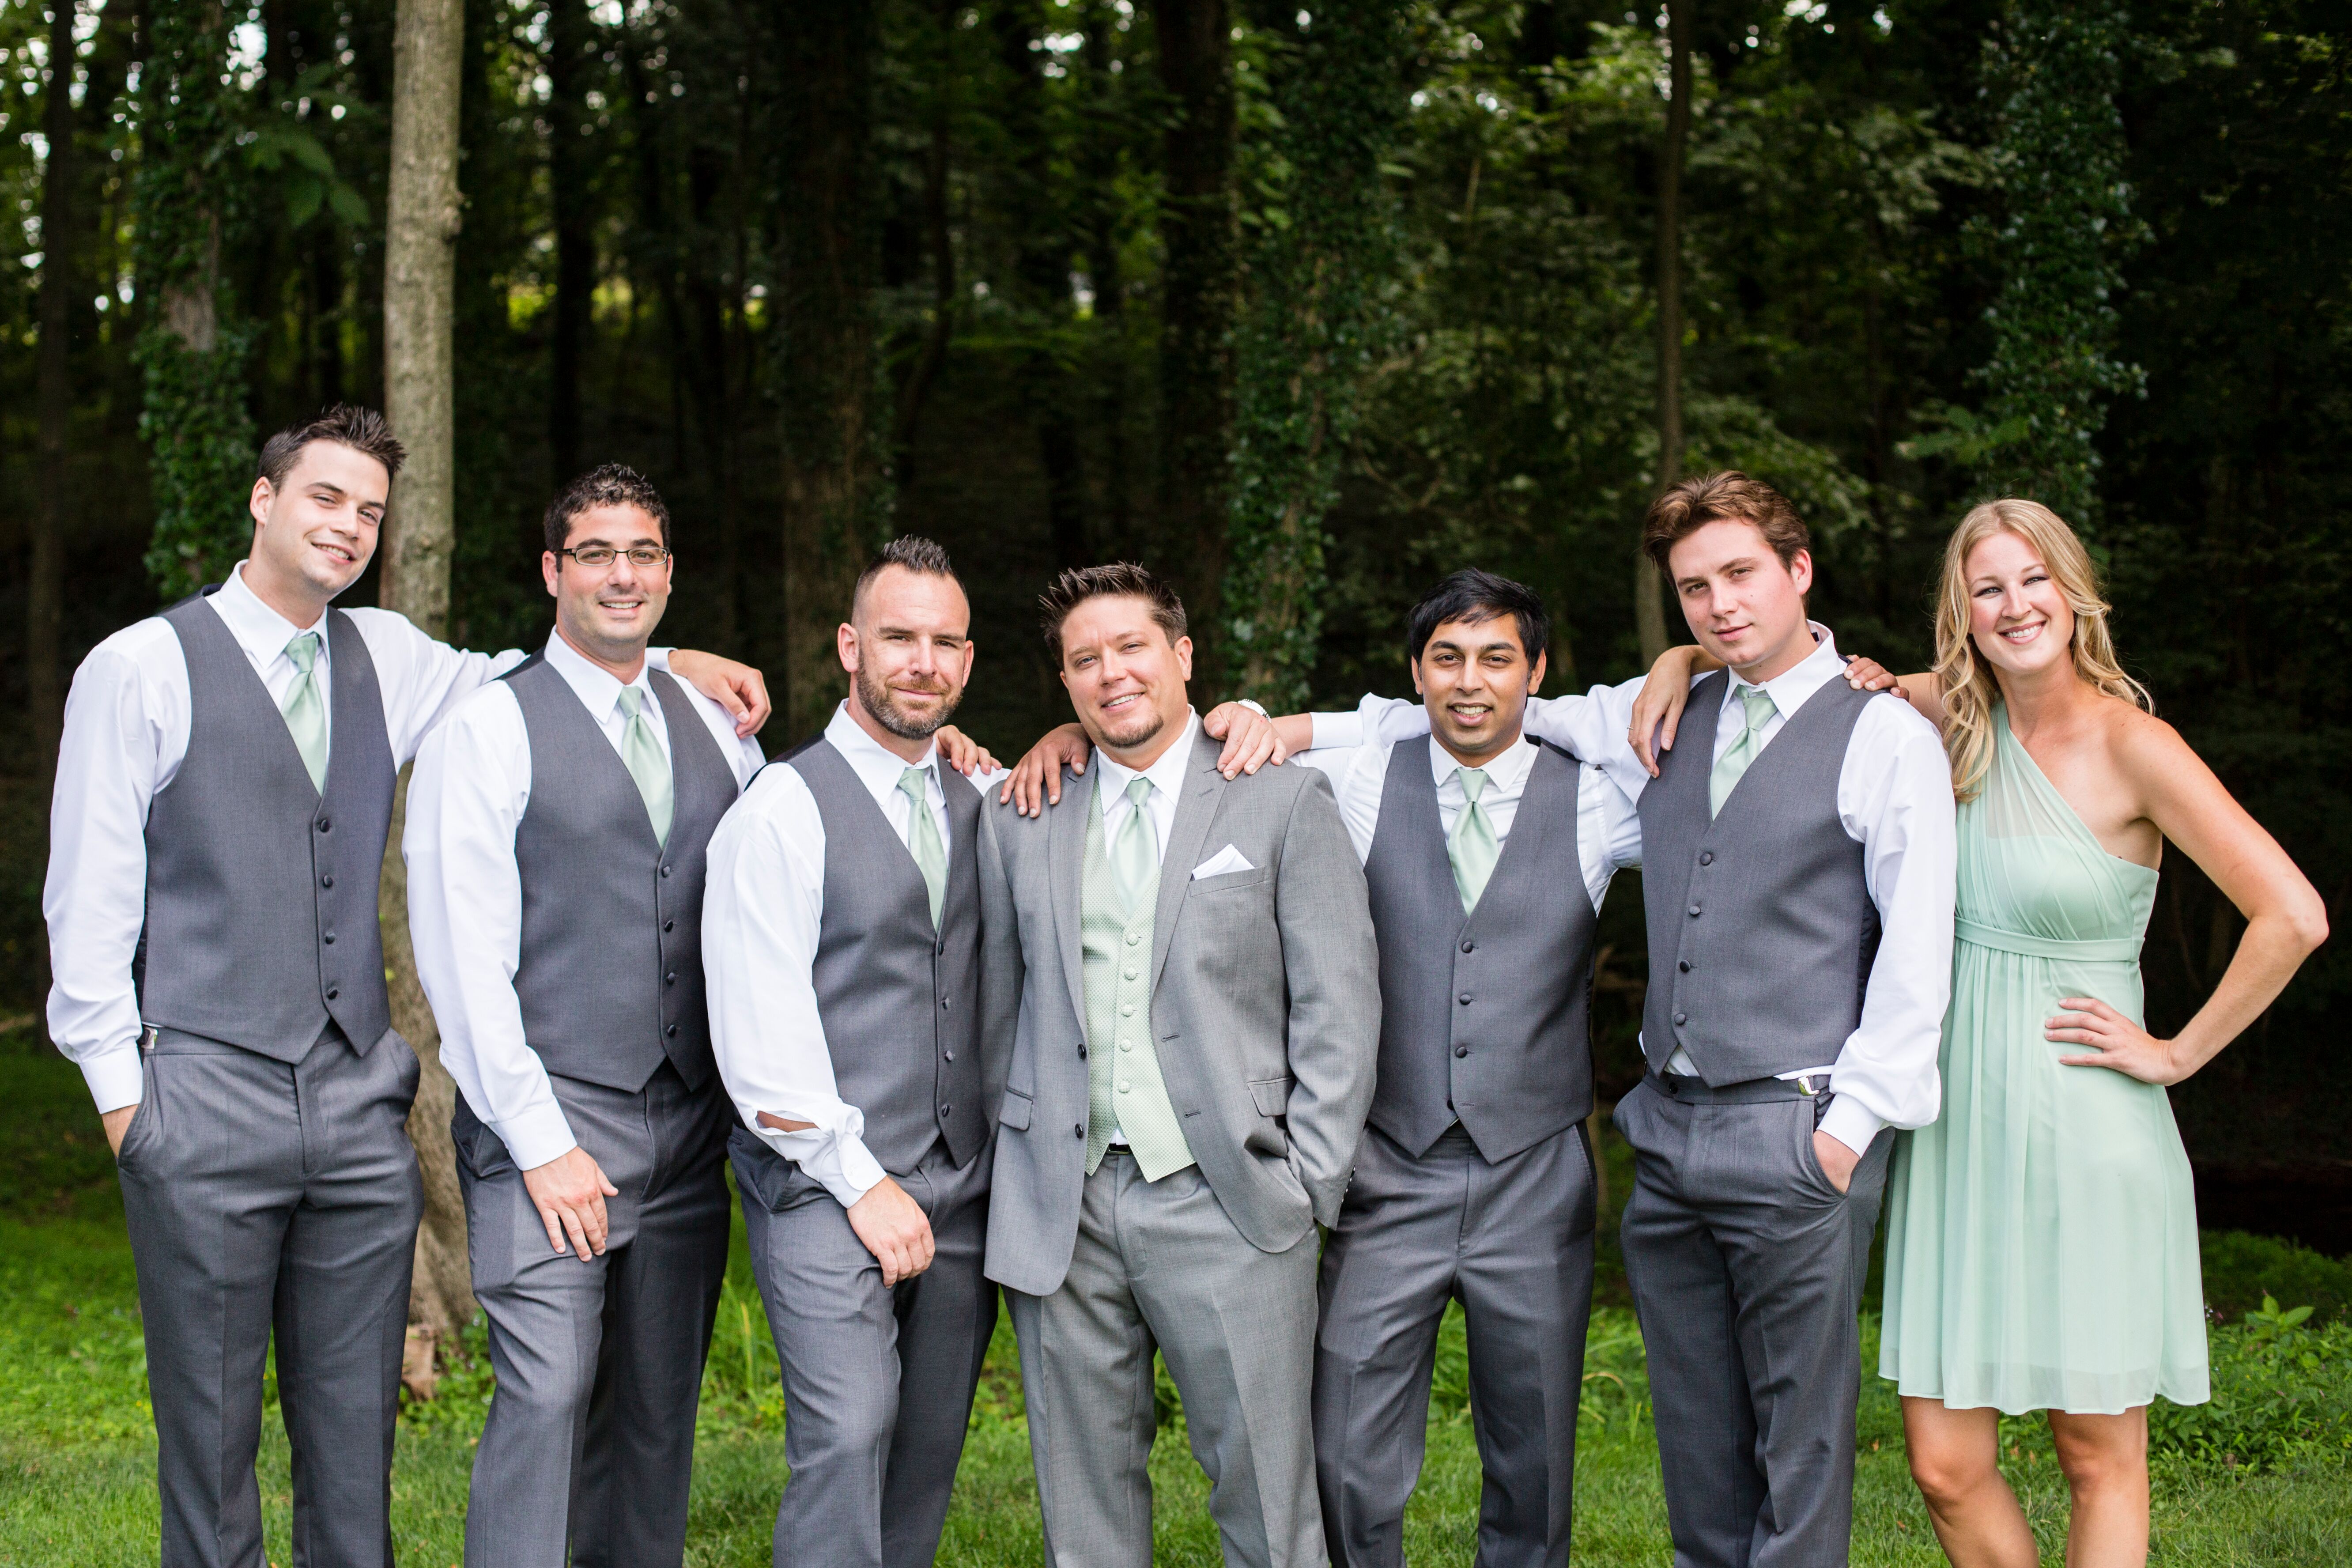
[(1124, 1088)]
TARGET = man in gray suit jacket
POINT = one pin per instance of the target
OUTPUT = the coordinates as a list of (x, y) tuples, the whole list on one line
[(1199, 1022)]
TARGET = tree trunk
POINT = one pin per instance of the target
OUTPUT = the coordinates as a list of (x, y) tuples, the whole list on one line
[(1198, 238), (827, 265), (421, 222), (60, 281), (939, 239), (568, 174), (1649, 614)]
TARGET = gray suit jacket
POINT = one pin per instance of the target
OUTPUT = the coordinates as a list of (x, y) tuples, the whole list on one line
[(1266, 1009)]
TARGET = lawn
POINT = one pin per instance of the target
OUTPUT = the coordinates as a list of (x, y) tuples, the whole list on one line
[(2264, 1479)]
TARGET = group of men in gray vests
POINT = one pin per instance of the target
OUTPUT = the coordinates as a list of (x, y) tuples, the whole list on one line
[(1250, 1067)]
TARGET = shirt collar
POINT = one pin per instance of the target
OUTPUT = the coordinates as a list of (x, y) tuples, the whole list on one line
[(261, 631), (599, 689), (1791, 687), (1506, 770), (876, 765), (1167, 774)]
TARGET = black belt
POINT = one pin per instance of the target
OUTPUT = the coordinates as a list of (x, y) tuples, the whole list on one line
[(1752, 1091)]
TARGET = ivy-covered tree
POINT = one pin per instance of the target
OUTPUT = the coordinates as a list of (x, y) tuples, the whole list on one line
[(195, 419), (1323, 253)]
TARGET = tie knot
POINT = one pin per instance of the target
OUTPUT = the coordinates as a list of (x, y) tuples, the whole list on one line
[(915, 782), (1474, 782), (1139, 790), (303, 650), (631, 701), (1759, 705)]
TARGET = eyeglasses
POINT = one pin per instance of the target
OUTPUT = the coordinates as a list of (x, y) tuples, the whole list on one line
[(598, 556)]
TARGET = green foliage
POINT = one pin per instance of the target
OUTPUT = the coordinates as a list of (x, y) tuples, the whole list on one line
[(1312, 327), (2281, 1397), (2065, 227), (2241, 1270), (201, 468)]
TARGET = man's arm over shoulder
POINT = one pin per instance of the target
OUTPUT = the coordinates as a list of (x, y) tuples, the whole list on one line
[(1332, 968)]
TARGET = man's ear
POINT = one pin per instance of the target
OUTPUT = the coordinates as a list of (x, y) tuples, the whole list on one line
[(1536, 671), (550, 563), (1413, 664), (257, 503), (1184, 657), (1800, 571), (845, 644)]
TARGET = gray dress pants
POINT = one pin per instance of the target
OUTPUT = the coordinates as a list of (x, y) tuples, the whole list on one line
[(590, 1441), (1747, 1266), (878, 1380), (1513, 1243), (263, 1199), (1159, 1265)]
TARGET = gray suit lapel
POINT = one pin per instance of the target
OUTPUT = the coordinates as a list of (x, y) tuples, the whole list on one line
[(1196, 809), (1066, 864)]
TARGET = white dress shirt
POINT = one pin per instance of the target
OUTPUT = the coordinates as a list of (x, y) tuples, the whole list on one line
[(763, 912), (1353, 750), (126, 735), (1895, 799), (465, 800)]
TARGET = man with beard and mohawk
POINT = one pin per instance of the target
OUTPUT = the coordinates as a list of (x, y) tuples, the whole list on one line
[(846, 943)]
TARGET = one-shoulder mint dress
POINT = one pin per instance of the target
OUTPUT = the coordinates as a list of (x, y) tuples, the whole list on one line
[(2041, 1234)]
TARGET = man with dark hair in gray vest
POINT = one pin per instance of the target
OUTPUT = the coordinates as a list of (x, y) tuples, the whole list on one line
[(557, 826), (223, 793), (1798, 882), (861, 1021)]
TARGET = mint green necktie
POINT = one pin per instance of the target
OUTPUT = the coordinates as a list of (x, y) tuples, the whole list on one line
[(642, 756), (1135, 848), (1474, 848), (923, 837), (1743, 751), (306, 708)]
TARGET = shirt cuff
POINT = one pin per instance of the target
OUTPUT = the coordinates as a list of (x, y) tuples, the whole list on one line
[(1333, 730), (855, 1172), (537, 1136), (1851, 1123), (115, 1075)]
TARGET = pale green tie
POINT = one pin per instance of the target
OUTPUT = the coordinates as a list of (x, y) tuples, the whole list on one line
[(642, 756), (1135, 849), (1743, 751), (923, 837), (1474, 848), (306, 708)]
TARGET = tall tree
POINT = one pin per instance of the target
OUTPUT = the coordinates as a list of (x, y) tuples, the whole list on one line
[(570, 181), (1316, 271), (1649, 614), (1200, 247), (195, 417), (61, 238), (832, 500), (421, 222), (2066, 222)]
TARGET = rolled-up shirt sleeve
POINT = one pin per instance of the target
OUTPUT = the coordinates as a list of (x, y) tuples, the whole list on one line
[(762, 908)]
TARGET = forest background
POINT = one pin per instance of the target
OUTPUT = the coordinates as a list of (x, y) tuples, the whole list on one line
[(1303, 307)]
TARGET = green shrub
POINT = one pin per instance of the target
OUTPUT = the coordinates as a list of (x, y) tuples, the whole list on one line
[(2281, 1397), (2240, 1269)]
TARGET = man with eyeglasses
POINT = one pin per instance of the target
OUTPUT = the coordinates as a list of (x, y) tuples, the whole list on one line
[(556, 834)]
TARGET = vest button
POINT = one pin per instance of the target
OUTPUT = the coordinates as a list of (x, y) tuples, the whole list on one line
[(1683, 964), (1127, 1010), (943, 1003), (947, 1110), (671, 978), (665, 870), (1081, 1130), (671, 1031), (1681, 1018), (1122, 1088), (1706, 857), (1463, 998), (1126, 973), (1082, 1053), (325, 825), (667, 925), (334, 992), (1461, 1050), (1468, 946), (329, 938), (949, 1055), (1127, 1044), (328, 881), (1132, 939), (1694, 912)]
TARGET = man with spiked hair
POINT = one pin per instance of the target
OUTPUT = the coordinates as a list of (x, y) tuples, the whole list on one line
[(223, 789), (861, 1018)]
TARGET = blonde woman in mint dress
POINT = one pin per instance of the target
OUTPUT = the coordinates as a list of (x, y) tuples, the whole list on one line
[(2042, 1243)]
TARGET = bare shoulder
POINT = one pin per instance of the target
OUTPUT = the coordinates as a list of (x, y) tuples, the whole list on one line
[(2140, 743)]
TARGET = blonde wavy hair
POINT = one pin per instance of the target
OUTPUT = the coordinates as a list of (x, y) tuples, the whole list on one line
[(1969, 689)]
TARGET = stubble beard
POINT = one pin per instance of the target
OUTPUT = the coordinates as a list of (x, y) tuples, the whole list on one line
[(875, 696)]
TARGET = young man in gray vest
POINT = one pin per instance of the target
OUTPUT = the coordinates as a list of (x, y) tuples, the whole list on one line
[(1798, 857), (852, 961), (557, 826), (1198, 1029), (223, 793)]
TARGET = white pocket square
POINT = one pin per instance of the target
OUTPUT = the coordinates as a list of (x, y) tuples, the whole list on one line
[(1225, 860)]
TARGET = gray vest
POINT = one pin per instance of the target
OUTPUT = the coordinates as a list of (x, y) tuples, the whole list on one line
[(900, 999), (611, 977), (1761, 928), (260, 890), (1482, 1018)]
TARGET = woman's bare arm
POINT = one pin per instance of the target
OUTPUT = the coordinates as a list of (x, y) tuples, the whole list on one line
[(2285, 916)]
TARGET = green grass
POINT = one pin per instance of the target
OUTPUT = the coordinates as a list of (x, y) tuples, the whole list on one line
[(76, 1453)]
